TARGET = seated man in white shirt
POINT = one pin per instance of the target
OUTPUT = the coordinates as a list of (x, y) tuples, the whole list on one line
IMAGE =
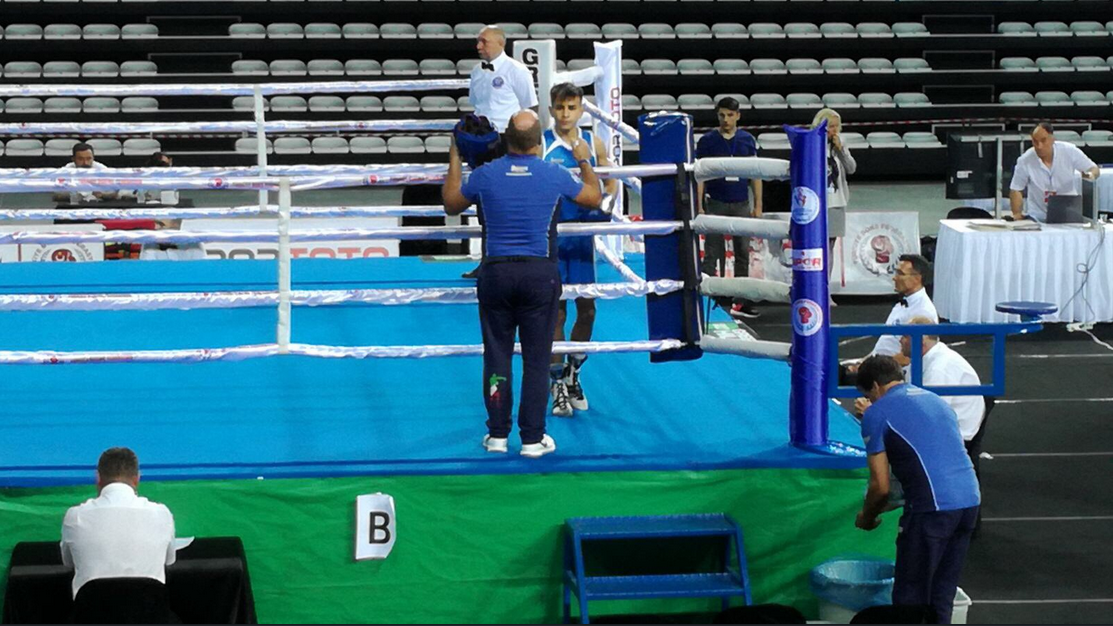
[(1047, 169), (83, 158), (117, 534)]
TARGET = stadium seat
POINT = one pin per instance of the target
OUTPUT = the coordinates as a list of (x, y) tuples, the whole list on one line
[(60, 147), (435, 30), (400, 67), (802, 30), (437, 67), (250, 145), (803, 66), (729, 30), (139, 104), (329, 145), (1088, 98), (326, 104), (656, 30), (1054, 64), (765, 30), (905, 65), (911, 100), (405, 145), (838, 30), (23, 69), (250, 67), (841, 100), (62, 31), (731, 66), (288, 67), (910, 29), (100, 69), (768, 66), (1053, 99), (325, 67), (464, 105), (514, 30), (322, 30), (583, 30), (106, 147), (59, 106), (875, 100), (138, 68), (1016, 29), (438, 104), (874, 30), (247, 103), (579, 64), (1019, 64), (364, 104), (743, 100), (854, 141), (438, 144), (61, 69), (1089, 64), (100, 31), (285, 30), (465, 66), (1052, 29), (1098, 138), (804, 101), (631, 103), (23, 31), (360, 30), (620, 30), (693, 30), (23, 148), (289, 104), (876, 66), (401, 104), (141, 146), (695, 67), (695, 102), (884, 139), (546, 30), (292, 145), (658, 67), (363, 67), (768, 101), (659, 102), (1070, 136), (630, 67), (773, 141), (1016, 98), (398, 30), (367, 145), (840, 66), (139, 31), (248, 30)]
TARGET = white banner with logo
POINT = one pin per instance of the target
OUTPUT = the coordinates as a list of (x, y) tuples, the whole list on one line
[(359, 249), (608, 96), (376, 526), (864, 260), (55, 252)]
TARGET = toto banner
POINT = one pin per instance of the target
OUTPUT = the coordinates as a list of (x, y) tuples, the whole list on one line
[(864, 260), (359, 249)]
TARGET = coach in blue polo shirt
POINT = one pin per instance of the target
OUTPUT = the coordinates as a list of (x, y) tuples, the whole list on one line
[(518, 197), (916, 433)]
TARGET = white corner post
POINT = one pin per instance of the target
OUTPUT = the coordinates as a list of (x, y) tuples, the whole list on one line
[(261, 142), (540, 57), (283, 330)]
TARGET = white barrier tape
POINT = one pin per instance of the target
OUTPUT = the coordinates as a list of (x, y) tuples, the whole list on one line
[(245, 299), (318, 234), (627, 131), (741, 227), (775, 350), (141, 212), (242, 353), (249, 127), (234, 89), (617, 263), (754, 289)]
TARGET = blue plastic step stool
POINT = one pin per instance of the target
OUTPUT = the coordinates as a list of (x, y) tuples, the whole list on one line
[(731, 582)]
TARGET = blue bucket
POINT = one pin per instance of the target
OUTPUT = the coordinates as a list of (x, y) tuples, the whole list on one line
[(854, 584)]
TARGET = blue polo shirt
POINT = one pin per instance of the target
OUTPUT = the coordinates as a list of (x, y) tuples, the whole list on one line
[(919, 433), (713, 144), (518, 198)]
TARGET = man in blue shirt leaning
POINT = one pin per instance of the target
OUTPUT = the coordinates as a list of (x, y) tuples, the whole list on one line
[(518, 197), (916, 432)]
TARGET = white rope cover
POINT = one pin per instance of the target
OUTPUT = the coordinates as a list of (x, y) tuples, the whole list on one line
[(316, 297), (141, 212), (249, 127), (617, 263), (743, 167), (741, 226), (754, 289), (234, 89), (628, 132), (320, 234), (774, 350), (243, 353)]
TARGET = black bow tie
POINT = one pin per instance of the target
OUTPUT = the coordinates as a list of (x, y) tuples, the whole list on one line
[(490, 67), (904, 302)]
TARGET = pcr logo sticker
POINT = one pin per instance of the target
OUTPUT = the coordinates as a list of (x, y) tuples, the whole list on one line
[(807, 260), (807, 317), (805, 205)]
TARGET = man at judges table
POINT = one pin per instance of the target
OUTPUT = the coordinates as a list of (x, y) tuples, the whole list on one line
[(1047, 169), (83, 159)]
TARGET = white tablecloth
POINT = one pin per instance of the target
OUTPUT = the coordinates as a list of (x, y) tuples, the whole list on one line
[(976, 269)]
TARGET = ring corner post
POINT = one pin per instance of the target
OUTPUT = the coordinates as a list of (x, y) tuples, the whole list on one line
[(284, 280), (808, 402), (667, 138)]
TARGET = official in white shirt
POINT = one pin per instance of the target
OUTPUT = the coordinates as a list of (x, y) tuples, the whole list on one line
[(913, 272), (117, 534), (1047, 169), (943, 367), (83, 158), (500, 86)]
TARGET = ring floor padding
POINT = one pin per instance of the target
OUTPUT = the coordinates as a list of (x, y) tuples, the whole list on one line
[(299, 416)]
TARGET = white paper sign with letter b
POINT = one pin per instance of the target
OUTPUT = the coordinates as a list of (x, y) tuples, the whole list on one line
[(375, 526)]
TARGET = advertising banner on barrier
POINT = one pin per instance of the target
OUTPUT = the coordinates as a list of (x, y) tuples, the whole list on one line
[(55, 252), (313, 250), (864, 260)]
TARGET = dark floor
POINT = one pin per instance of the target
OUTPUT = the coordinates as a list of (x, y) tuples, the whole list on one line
[(1045, 554)]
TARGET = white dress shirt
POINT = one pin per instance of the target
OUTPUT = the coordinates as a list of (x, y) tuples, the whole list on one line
[(117, 535), (499, 94), (1042, 182), (943, 367), (77, 197), (918, 305)]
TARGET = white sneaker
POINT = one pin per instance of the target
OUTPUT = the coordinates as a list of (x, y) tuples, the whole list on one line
[(539, 449), (562, 406), (576, 395), (495, 444)]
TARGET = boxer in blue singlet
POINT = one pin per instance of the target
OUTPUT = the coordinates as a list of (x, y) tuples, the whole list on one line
[(576, 255)]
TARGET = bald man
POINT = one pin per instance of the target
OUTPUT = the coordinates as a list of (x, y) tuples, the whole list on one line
[(500, 86), (519, 283)]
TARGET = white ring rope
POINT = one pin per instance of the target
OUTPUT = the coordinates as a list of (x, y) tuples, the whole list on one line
[(320, 234), (234, 89), (617, 263), (243, 353), (245, 127), (315, 297), (141, 212), (627, 131)]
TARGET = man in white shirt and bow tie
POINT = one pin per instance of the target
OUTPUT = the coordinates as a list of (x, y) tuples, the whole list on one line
[(500, 86)]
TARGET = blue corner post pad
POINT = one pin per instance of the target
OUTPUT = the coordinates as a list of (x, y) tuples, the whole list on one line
[(667, 138), (1028, 311)]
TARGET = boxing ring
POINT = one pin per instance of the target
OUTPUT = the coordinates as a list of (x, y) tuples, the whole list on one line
[(261, 396)]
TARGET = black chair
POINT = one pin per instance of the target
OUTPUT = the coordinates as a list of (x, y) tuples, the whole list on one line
[(123, 601), (761, 614), (968, 213), (888, 614)]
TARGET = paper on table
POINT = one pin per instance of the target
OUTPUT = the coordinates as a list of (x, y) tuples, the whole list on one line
[(182, 542)]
